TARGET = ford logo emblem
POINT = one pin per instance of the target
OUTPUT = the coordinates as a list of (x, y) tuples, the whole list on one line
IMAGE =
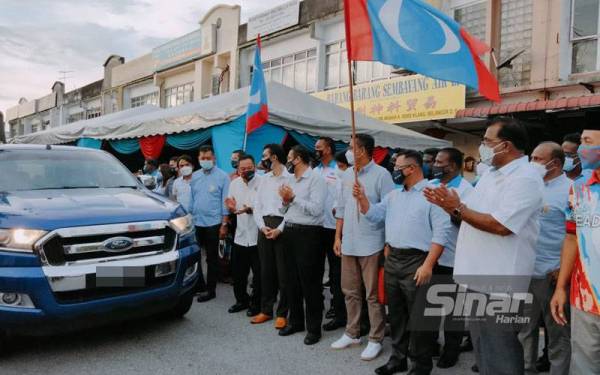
[(117, 244)]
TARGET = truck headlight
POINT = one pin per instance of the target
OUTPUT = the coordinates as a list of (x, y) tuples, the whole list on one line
[(183, 225), (20, 239)]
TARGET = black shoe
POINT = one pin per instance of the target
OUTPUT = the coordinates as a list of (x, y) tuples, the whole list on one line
[(330, 313), (312, 338), (447, 360), (252, 311), (237, 308), (542, 364), (332, 325), (475, 368), (435, 352), (290, 330), (392, 367), (206, 296), (467, 345)]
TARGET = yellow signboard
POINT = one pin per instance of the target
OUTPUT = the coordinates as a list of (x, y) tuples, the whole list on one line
[(402, 99)]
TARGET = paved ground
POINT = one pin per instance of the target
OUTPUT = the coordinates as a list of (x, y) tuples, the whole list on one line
[(207, 341)]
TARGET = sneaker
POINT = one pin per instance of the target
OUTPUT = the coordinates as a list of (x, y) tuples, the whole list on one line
[(371, 352), (344, 342)]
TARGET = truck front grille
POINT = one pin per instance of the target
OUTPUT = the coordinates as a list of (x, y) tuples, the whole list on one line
[(81, 245)]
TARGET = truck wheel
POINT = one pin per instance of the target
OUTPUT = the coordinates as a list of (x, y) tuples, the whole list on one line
[(183, 306)]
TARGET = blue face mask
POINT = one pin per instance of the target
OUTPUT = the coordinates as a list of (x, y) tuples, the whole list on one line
[(589, 156), (569, 164), (207, 165)]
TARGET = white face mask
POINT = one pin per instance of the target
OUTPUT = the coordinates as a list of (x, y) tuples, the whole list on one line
[(350, 157), (207, 165), (486, 153), (539, 168), (186, 171)]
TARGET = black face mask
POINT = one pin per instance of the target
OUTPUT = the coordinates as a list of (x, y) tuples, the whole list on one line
[(438, 172), (267, 164), (398, 177), (290, 167), (235, 164), (173, 170), (249, 175), (318, 155)]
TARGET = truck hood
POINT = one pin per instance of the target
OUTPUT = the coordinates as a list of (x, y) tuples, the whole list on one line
[(53, 209)]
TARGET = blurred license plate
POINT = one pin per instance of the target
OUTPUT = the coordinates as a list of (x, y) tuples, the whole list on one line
[(111, 276)]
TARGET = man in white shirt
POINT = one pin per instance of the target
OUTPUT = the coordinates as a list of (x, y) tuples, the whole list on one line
[(182, 191), (495, 250), (327, 168), (244, 256), (303, 199), (269, 220)]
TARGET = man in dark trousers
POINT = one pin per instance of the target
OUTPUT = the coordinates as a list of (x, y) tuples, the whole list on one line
[(303, 198), (416, 232), (210, 186)]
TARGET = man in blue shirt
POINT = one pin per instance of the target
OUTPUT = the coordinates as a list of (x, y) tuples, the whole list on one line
[(447, 170), (210, 186), (416, 232), (549, 159)]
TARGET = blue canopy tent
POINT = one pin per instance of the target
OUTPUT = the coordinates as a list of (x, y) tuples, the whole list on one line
[(222, 120)]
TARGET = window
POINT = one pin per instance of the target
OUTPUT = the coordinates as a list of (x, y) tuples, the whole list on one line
[(34, 128), (336, 68), (298, 70), (141, 100), (584, 36), (93, 113), (515, 35), (179, 95), (75, 117)]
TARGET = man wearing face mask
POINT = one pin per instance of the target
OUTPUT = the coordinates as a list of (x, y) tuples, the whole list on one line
[(569, 146), (428, 159), (209, 190), (269, 220), (244, 256), (447, 170), (360, 244), (416, 232), (327, 168), (151, 169), (548, 159), (497, 237), (303, 199), (580, 262), (235, 162), (182, 191)]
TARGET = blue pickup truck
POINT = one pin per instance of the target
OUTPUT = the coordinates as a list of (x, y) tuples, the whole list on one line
[(83, 242)]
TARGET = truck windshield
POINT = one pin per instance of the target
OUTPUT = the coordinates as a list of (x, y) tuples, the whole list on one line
[(22, 170)]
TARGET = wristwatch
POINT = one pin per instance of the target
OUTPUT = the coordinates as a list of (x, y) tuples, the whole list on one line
[(457, 212)]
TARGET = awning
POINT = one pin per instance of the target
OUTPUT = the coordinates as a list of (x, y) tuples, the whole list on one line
[(537, 105)]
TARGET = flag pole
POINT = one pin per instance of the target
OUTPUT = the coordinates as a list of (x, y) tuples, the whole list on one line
[(353, 121), (245, 138)]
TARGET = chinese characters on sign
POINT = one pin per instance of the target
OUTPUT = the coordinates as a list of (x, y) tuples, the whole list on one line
[(402, 99)]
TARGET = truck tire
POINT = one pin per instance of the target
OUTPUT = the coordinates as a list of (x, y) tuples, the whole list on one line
[(183, 306)]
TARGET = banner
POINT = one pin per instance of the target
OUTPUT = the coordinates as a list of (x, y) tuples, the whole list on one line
[(402, 99)]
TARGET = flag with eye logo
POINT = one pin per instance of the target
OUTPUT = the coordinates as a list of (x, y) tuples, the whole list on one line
[(416, 36), (257, 113)]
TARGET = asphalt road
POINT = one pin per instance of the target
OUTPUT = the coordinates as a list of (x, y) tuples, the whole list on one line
[(207, 341)]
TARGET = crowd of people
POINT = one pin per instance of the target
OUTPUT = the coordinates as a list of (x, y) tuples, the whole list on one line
[(526, 228)]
